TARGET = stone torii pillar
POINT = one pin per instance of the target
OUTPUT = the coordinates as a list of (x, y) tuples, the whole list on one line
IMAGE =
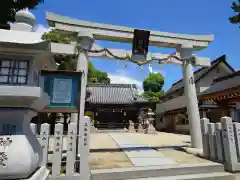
[(84, 41), (191, 96)]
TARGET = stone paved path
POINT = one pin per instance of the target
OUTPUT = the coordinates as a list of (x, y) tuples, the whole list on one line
[(138, 154)]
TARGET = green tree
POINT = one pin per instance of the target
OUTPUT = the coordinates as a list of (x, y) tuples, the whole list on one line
[(152, 96), (9, 8), (154, 82), (236, 8), (152, 86), (55, 37), (69, 62), (99, 77)]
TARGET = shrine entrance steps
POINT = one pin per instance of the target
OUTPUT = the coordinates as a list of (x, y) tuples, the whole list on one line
[(209, 171)]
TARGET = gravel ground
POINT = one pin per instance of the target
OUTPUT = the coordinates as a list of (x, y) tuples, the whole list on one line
[(109, 158), (157, 141), (105, 160), (161, 139), (102, 160), (102, 141)]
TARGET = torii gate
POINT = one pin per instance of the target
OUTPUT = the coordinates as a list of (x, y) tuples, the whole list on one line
[(86, 32)]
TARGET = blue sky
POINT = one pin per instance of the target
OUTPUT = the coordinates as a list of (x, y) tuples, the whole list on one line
[(185, 16)]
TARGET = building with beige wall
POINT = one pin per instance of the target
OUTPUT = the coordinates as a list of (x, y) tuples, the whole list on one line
[(171, 112)]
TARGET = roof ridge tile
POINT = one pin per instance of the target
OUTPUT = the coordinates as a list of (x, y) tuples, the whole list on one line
[(113, 94)]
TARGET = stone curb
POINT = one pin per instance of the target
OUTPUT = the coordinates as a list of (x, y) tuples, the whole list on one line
[(193, 151), (154, 172)]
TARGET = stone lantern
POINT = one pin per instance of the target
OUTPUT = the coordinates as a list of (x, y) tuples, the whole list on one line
[(22, 54), (148, 120)]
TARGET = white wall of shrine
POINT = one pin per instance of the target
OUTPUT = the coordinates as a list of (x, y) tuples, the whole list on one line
[(203, 84), (206, 82)]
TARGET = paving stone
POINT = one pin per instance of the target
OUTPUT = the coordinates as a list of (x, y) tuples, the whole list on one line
[(146, 161), (143, 154), (138, 154)]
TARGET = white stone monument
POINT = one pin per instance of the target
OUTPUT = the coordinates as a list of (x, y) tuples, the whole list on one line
[(22, 55)]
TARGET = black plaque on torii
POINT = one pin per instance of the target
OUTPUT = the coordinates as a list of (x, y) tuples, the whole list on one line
[(140, 42)]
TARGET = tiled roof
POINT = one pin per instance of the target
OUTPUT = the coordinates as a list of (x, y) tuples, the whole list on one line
[(224, 83), (114, 94), (199, 74)]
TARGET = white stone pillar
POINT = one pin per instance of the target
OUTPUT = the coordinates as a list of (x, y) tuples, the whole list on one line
[(232, 114), (204, 114), (191, 97), (85, 40)]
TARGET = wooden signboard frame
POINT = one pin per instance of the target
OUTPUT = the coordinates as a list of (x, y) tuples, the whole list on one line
[(74, 76)]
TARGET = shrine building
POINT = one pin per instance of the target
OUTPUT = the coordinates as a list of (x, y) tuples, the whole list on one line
[(225, 92), (113, 105)]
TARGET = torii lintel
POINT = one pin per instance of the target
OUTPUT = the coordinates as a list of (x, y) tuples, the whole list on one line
[(125, 34)]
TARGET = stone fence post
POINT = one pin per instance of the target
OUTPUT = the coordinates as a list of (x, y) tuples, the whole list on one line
[(204, 129), (229, 144), (84, 145)]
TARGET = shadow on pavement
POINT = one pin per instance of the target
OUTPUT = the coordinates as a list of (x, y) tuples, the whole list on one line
[(139, 148)]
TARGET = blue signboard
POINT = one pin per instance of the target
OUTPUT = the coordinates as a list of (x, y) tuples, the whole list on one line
[(63, 88)]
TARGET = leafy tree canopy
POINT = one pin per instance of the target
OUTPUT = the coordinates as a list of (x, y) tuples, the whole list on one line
[(56, 37), (9, 8), (152, 96), (236, 8), (154, 82), (69, 62), (152, 86)]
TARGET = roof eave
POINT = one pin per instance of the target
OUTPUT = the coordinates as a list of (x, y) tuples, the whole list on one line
[(219, 59)]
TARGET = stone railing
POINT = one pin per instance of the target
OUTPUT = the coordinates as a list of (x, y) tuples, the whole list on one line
[(60, 150), (221, 142)]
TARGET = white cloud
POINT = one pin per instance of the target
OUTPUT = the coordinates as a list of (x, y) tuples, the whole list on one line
[(123, 79), (159, 70), (42, 29)]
